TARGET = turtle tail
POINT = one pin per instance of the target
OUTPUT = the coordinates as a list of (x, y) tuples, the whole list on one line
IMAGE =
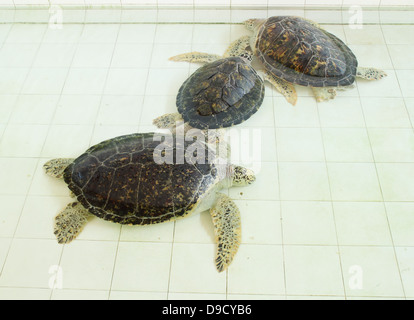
[(56, 167)]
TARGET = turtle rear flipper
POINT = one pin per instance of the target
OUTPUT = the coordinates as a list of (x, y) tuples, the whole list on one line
[(56, 167), (70, 222), (227, 226)]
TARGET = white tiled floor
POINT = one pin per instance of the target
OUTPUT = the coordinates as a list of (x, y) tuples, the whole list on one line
[(331, 214)]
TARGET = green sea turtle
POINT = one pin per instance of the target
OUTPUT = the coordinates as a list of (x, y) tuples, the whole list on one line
[(294, 50), (138, 180), (224, 92)]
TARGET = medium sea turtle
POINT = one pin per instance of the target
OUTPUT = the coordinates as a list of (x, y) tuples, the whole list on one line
[(224, 92), (136, 179), (299, 51)]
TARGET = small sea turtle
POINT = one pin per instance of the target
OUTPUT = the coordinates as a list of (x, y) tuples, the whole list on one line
[(224, 92), (300, 51), (138, 180)]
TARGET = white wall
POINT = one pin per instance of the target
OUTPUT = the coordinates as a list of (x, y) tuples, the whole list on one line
[(210, 3)]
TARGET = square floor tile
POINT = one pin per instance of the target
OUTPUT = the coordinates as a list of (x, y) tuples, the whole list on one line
[(405, 256), (18, 54), (257, 269), (77, 109), (34, 109), (69, 33), (59, 141), (400, 55), (164, 81), (120, 110), (7, 104), (45, 81), (396, 181), (29, 262), (299, 144), (173, 33), (354, 182), (93, 55), (23, 140), (313, 270), (136, 33), (12, 79), (392, 145), (88, 264), (16, 175), (54, 55), (132, 55), (370, 272), (197, 228), (388, 86), (71, 294), (191, 260), (385, 112), (308, 222), (303, 114), (405, 77), (99, 33), (10, 214), (344, 112), (85, 81), (162, 52), (40, 211), (347, 145), (372, 56), (398, 34), (44, 185), (26, 33), (24, 294), (401, 221), (126, 81), (303, 181), (142, 267), (261, 221), (362, 223)]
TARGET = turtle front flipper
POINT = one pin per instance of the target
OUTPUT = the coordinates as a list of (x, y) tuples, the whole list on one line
[(238, 47), (287, 89), (370, 73), (70, 222), (227, 226), (196, 57), (56, 167)]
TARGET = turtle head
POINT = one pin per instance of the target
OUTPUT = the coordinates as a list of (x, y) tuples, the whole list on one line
[(251, 24), (241, 176), (246, 56)]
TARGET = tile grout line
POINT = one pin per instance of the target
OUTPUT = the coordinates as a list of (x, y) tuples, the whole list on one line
[(49, 129), (90, 141), (34, 171), (376, 171), (331, 201), (279, 196)]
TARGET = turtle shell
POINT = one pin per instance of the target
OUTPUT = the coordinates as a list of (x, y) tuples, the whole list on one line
[(120, 179), (296, 50), (220, 94)]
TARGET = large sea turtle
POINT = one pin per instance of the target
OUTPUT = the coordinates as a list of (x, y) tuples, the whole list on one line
[(138, 180), (294, 50)]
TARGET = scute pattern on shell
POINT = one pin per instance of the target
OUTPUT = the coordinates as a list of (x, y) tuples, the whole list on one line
[(299, 52), (118, 180), (220, 94)]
